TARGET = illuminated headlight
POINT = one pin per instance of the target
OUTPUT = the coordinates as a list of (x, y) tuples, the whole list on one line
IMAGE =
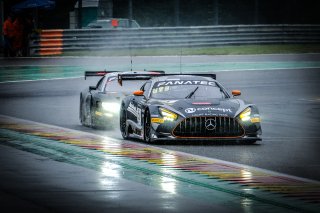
[(245, 115), (168, 115), (111, 107)]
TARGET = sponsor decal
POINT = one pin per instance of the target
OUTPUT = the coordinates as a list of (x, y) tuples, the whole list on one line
[(157, 120), (214, 109), (171, 83), (192, 110), (136, 111), (255, 120)]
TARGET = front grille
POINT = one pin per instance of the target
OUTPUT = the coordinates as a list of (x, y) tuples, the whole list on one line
[(208, 127)]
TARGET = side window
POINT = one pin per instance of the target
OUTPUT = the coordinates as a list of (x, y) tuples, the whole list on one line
[(100, 84), (146, 87)]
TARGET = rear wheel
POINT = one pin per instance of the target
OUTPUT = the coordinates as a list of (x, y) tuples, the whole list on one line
[(123, 123), (81, 116), (147, 128)]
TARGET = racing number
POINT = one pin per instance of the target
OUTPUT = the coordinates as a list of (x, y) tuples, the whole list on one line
[(135, 111)]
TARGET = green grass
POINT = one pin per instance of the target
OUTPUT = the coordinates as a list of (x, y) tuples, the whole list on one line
[(219, 50)]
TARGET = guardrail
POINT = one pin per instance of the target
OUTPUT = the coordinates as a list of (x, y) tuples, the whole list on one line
[(56, 42)]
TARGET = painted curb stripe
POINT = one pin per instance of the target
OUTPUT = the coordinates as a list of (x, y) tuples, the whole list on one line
[(290, 192)]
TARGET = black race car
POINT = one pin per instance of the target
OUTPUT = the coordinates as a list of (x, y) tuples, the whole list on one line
[(187, 107), (100, 104)]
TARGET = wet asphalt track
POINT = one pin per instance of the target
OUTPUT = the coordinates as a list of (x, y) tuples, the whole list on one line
[(289, 103)]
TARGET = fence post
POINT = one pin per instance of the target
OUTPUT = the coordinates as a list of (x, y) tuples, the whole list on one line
[(2, 20), (216, 12), (79, 14), (177, 12), (256, 11), (130, 13)]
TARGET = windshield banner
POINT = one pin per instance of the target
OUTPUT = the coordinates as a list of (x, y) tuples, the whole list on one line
[(176, 82)]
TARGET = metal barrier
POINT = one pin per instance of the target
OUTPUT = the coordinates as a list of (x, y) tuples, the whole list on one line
[(56, 42)]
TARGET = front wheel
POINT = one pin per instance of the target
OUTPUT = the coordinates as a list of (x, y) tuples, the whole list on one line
[(81, 116), (249, 142), (147, 128), (123, 123)]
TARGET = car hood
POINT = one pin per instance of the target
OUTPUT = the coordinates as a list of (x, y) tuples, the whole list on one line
[(207, 107)]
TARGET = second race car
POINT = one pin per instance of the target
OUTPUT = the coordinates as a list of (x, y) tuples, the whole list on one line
[(100, 104), (188, 107)]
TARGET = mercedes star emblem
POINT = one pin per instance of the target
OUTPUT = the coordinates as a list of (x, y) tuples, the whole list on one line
[(210, 124)]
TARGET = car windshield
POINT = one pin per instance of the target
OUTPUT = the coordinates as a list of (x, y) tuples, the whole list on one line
[(186, 89), (100, 24), (107, 23), (127, 86)]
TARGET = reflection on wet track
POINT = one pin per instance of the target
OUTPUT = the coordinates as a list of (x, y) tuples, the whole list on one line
[(210, 180)]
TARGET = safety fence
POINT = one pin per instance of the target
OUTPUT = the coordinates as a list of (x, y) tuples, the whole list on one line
[(56, 42)]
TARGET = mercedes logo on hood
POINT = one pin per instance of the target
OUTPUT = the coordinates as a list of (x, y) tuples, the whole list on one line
[(210, 124)]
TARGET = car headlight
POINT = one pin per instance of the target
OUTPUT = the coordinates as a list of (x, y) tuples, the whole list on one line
[(168, 115), (245, 115), (111, 107), (249, 115)]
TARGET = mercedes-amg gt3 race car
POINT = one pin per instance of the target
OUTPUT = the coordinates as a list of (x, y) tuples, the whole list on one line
[(187, 107), (100, 104)]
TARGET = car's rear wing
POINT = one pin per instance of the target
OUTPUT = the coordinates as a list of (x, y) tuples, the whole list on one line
[(96, 73), (103, 73), (139, 76), (147, 76), (210, 75)]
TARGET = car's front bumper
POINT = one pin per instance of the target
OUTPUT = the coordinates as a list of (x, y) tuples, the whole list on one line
[(168, 137), (164, 132)]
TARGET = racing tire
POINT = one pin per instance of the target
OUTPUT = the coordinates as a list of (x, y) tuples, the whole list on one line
[(92, 119), (81, 117), (93, 123), (123, 123), (147, 128), (249, 142)]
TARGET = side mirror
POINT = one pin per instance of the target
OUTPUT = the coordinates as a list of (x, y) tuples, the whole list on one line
[(236, 92), (92, 88), (138, 93)]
